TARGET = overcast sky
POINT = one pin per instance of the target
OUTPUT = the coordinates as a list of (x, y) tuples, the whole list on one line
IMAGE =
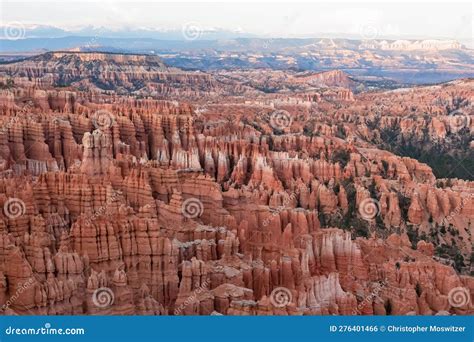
[(402, 19)]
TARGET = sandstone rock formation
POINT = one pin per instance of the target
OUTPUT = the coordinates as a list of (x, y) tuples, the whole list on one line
[(112, 204)]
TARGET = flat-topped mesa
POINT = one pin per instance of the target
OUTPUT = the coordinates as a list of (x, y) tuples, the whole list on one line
[(117, 58), (336, 78), (99, 72)]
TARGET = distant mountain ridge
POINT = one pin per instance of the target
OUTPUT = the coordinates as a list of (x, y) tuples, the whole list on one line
[(209, 40), (98, 71), (410, 45), (146, 75), (109, 57), (422, 62), (176, 33)]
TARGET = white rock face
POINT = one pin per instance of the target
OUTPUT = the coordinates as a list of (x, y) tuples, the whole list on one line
[(410, 45)]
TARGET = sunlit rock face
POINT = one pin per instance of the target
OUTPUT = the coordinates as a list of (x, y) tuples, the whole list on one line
[(267, 204)]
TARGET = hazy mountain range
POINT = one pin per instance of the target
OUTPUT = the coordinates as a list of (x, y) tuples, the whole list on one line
[(197, 48)]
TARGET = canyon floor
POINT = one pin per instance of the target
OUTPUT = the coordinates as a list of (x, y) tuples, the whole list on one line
[(129, 187)]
